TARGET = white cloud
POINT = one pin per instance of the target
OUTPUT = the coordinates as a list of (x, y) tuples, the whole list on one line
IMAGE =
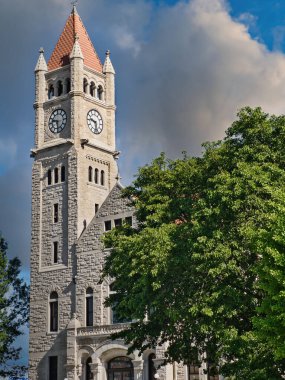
[(188, 81), (248, 19), (126, 40)]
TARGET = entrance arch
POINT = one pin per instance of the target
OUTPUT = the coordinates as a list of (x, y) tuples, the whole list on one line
[(120, 368)]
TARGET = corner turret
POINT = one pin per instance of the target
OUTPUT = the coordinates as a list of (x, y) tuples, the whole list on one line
[(109, 71), (40, 97)]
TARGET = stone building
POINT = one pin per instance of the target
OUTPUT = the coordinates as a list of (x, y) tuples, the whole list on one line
[(75, 199)]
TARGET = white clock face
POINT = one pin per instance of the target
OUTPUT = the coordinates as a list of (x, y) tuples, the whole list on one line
[(95, 121), (57, 121)]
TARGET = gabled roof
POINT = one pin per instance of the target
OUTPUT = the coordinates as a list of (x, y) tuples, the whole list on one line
[(113, 205), (60, 56)]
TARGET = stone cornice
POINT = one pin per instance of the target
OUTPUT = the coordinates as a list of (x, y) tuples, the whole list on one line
[(102, 330), (50, 145)]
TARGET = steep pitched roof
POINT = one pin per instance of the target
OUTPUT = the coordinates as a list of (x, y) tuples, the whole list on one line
[(60, 56), (113, 206)]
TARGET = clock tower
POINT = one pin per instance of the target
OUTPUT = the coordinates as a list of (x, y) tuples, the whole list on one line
[(75, 158), (74, 170), (76, 198)]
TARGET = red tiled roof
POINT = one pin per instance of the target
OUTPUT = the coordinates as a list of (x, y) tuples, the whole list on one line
[(60, 56)]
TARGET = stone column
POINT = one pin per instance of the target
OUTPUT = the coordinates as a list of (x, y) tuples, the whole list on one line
[(79, 370), (138, 369), (71, 372), (71, 349), (96, 369)]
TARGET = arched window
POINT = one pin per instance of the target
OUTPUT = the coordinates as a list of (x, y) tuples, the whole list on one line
[(50, 91), (102, 181), (62, 174), (59, 88), (49, 177), (88, 373), (67, 85), (96, 176), (151, 367), (100, 92), (90, 174), (85, 85), (56, 175), (53, 312), (92, 89), (89, 307), (120, 368)]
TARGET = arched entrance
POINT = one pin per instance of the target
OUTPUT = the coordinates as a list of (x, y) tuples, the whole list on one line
[(120, 368)]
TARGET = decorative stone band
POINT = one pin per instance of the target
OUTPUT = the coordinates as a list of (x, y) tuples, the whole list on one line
[(102, 330)]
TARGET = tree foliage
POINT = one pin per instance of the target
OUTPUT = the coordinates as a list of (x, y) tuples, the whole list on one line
[(14, 309), (206, 261)]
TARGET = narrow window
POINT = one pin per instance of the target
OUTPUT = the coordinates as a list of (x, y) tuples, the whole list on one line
[(108, 225), (85, 85), (89, 307), (100, 92), (50, 91), (49, 177), (67, 85), (129, 220), (102, 177), (96, 208), (59, 88), (88, 372), (52, 371), (62, 174), (151, 367), (56, 175), (90, 174), (53, 312), (92, 89), (55, 213), (118, 222), (96, 176), (55, 252)]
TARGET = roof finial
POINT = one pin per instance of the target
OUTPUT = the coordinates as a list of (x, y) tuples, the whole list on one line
[(74, 3), (41, 51)]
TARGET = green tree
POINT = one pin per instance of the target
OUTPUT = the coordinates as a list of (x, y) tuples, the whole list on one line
[(14, 310), (198, 261)]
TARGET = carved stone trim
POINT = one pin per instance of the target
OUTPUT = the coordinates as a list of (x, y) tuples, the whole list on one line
[(102, 330), (91, 158)]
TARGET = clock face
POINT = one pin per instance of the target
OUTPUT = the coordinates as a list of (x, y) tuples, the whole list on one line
[(95, 121), (57, 121)]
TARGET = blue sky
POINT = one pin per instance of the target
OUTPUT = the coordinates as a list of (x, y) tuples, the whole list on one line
[(183, 69)]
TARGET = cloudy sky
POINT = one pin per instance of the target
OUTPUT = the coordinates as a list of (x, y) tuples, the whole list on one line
[(184, 68)]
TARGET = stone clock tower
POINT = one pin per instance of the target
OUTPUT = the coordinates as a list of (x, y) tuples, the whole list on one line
[(76, 198)]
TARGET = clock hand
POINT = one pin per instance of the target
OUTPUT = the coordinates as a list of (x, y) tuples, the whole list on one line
[(95, 123)]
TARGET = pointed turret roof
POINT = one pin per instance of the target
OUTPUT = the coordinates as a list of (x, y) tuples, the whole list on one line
[(41, 64), (60, 56), (108, 67)]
